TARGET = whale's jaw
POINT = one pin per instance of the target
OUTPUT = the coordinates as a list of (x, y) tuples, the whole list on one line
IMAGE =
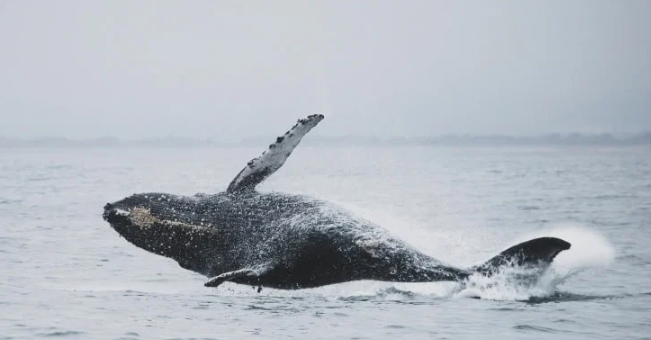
[(138, 220)]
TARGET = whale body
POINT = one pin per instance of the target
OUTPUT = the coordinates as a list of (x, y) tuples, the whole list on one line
[(288, 241)]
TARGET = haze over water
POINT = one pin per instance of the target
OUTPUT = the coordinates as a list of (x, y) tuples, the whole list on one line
[(231, 70)]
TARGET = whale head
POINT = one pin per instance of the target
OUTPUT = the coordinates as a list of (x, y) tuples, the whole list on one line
[(164, 224)]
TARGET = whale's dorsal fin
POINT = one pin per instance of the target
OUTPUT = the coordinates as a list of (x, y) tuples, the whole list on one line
[(258, 169)]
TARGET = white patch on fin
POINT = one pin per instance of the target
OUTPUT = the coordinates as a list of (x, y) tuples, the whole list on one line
[(258, 169)]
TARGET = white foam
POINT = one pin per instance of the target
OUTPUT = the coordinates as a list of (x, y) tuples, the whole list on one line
[(590, 250), (375, 290)]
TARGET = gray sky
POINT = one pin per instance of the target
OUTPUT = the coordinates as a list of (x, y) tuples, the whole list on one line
[(229, 70)]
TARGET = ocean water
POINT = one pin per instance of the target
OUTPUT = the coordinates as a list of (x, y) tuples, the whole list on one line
[(66, 274)]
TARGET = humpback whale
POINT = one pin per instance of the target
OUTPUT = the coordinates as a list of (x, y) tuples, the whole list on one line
[(288, 241)]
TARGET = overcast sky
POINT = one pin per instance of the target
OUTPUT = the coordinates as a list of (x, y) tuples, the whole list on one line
[(229, 70)]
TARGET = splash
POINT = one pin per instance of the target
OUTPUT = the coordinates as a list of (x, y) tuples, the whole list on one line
[(444, 245), (590, 250), (363, 290)]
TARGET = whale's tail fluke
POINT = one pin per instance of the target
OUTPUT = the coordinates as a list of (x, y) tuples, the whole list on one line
[(538, 253)]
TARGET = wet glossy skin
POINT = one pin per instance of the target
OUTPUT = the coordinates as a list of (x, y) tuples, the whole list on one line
[(287, 241)]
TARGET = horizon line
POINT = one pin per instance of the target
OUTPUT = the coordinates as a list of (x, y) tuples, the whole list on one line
[(640, 138)]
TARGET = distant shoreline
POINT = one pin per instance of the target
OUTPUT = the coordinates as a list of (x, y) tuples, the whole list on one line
[(573, 139)]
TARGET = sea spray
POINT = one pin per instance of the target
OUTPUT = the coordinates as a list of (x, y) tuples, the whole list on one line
[(590, 250)]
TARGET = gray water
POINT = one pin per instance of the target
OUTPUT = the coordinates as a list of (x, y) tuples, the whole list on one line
[(66, 274)]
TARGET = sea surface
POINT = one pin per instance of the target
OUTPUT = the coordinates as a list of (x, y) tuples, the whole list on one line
[(65, 274)]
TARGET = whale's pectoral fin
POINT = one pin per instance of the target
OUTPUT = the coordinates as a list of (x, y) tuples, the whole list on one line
[(221, 278), (258, 169), (536, 252)]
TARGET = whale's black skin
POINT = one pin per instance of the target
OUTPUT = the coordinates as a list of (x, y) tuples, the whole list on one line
[(287, 241)]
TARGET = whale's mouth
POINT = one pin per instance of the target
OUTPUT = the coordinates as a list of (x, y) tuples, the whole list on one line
[(136, 224), (165, 227), (116, 215)]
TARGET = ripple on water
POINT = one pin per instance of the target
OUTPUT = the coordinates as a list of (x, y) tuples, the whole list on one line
[(61, 333), (564, 321), (528, 207), (9, 201), (505, 309), (396, 326), (532, 328)]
